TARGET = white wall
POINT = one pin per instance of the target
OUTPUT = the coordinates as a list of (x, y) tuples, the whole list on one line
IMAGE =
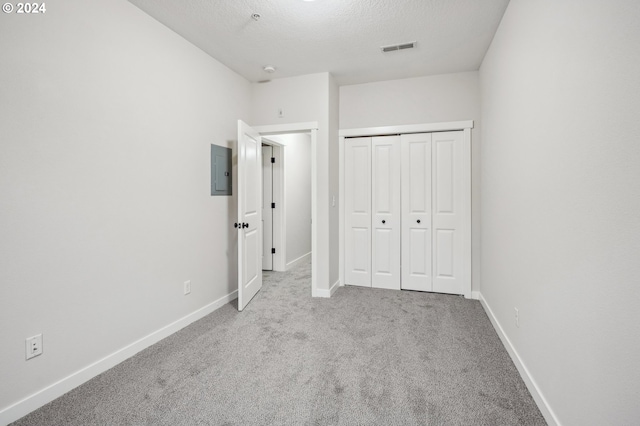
[(561, 201), (297, 175), (106, 118), (432, 99), (304, 99)]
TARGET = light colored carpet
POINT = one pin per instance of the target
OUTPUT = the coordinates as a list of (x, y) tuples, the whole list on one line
[(363, 357)]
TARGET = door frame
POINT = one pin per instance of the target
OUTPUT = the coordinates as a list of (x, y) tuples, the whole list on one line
[(312, 128), (465, 127)]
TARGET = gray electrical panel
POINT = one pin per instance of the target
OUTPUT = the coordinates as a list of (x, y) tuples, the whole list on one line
[(220, 170)]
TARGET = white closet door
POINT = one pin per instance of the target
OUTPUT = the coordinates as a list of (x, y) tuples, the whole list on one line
[(357, 243), (448, 254), (416, 212), (386, 215)]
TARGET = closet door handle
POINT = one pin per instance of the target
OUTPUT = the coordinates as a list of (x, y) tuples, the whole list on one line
[(418, 220), (384, 221)]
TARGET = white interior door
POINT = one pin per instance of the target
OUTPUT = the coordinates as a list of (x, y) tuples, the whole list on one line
[(357, 242), (416, 212), (249, 154), (448, 206), (386, 217), (267, 211)]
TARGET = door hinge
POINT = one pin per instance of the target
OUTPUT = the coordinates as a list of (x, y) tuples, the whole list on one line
[(273, 159), (273, 251), (273, 205)]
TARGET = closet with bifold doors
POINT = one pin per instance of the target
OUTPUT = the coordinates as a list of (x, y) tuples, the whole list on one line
[(407, 211)]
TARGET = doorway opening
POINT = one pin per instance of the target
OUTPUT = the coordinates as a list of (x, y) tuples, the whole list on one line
[(249, 199), (273, 134), (286, 202)]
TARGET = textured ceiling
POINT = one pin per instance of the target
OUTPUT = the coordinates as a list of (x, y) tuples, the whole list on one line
[(340, 36)]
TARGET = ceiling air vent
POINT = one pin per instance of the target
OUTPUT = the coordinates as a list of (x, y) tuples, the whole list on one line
[(402, 46)]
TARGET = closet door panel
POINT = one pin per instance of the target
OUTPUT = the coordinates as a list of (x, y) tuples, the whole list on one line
[(416, 212), (447, 212), (358, 211), (445, 261), (386, 212), (383, 261)]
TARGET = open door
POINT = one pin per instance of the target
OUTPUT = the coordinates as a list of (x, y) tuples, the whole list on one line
[(249, 223), (267, 208)]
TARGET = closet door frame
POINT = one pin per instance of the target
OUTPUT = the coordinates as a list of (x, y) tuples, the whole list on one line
[(465, 127)]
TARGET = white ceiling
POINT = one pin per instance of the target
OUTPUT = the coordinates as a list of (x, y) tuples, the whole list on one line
[(340, 36)]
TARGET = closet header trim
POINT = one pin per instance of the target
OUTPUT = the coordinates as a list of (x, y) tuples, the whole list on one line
[(409, 128)]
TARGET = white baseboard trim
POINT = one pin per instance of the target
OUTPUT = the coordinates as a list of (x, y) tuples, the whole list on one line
[(301, 259), (321, 292), (334, 287), (475, 295), (534, 390), (59, 388)]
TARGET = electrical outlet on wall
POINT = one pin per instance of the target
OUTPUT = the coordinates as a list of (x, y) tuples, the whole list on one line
[(34, 346), (517, 314), (187, 287)]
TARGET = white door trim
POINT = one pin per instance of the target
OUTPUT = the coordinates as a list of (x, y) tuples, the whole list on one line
[(407, 128), (311, 127), (272, 129), (465, 126)]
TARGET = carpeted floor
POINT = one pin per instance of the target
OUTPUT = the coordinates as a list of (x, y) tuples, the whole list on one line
[(363, 357)]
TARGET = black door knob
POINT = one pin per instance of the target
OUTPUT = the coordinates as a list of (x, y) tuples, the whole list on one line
[(245, 225), (384, 221), (235, 225), (418, 220)]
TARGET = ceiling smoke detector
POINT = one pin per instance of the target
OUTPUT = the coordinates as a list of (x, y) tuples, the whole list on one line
[(269, 69), (402, 46)]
